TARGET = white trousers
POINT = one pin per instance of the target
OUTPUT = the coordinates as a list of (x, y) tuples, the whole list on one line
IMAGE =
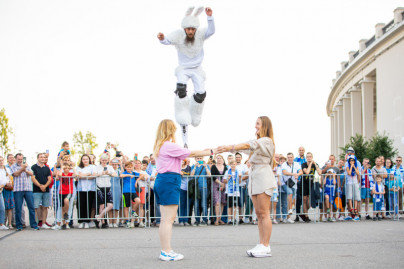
[(196, 74)]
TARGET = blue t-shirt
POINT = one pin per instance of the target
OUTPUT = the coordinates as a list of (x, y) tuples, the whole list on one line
[(393, 183), (129, 183), (202, 180)]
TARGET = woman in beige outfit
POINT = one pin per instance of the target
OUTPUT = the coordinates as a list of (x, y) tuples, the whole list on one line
[(262, 180)]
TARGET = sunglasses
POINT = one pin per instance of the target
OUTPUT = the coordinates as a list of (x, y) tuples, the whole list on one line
[(398, 161)]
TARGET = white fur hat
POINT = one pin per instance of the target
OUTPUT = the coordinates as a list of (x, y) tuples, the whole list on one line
[(191, 21)]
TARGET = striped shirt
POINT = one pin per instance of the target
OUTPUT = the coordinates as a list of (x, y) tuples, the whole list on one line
[(22, 182)]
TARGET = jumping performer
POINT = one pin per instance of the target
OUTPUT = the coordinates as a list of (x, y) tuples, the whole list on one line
[(262, 180), (189, 44), (167, 185)]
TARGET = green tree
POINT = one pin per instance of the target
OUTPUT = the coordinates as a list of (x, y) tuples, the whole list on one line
[(380, 145), (83, 143), (5, 132), (359, 144)]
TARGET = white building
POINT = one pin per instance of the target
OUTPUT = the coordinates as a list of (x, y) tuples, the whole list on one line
[(367, 95)]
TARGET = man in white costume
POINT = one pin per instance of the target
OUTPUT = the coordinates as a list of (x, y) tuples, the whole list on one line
[(189, 44)]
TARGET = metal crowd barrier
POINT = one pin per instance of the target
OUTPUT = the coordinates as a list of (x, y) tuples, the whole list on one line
[(208, 203)]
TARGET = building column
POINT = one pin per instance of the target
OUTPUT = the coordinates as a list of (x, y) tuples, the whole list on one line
[(356, 111), (335, 132), (368, 115), (346, 106), (332, 133), (340, 130)]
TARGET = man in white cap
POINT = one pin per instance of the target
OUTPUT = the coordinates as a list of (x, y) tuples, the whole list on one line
[(189, 44)]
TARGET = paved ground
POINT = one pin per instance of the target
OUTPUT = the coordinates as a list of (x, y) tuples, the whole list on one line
[(326, 245)]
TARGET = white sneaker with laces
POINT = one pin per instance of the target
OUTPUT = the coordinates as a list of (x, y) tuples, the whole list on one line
[(341, 218), (261, 252), (81, 225), (290, 221), (110, 225), (86, 226), (115, 225), (253, 249), (56, 227), (91, 224), (4, 227), (170, 256), (44, 226)]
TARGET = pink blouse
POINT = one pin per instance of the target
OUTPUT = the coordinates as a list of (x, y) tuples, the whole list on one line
[(170, 157)]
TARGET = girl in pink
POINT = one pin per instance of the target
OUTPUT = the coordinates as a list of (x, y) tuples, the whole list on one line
[(167, 185)]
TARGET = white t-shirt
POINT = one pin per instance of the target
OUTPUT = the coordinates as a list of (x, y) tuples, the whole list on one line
[(381, 189), (104, 181), (85, 184), (226, 176), (296, 169), (143, 183), (4, 179), (242, 169)]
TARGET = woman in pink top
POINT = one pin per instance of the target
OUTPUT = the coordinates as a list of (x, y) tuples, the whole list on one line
[(167, 185)]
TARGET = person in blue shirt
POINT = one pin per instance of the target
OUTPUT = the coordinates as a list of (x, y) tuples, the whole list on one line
[(129, 195), (329, 186), (399, 174), (301, 159), (201, 170), (394, 189)]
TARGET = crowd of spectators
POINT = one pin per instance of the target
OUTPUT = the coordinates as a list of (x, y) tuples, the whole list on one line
[(118, 192)]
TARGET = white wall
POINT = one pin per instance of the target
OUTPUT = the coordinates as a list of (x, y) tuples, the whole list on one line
[(390, 94)]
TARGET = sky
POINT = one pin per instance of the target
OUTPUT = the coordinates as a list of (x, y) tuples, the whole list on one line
[(95, 65)]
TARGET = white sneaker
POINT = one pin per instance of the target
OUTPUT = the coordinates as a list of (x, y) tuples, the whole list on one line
[(284, 221), (91, 224), (170, 256), (388, 216), (274, 221), (67, 226), (3, 227), (86, 226), (115, 225), (290, 211), (341, 218), (110, 225), (324, 219), (253, 249), (56, 227), (141, 225), (44, 226), (261, 252), (333, 219), (290, 221), (81, 225)]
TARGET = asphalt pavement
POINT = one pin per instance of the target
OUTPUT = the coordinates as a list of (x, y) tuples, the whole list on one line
[(305, 245)]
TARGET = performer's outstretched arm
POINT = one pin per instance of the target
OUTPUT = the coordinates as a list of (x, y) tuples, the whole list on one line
[(211, 23), (162, 39)]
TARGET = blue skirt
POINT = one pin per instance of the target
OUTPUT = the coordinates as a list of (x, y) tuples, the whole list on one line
[(8, 199), (167, 188)]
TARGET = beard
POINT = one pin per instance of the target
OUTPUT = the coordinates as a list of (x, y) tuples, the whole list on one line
[(189, 40)]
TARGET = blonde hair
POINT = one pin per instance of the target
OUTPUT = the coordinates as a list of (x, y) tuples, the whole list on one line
[(266, 131), (165, 132)]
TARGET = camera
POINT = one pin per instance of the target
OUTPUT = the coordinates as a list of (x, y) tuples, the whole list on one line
[(118, 154)]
